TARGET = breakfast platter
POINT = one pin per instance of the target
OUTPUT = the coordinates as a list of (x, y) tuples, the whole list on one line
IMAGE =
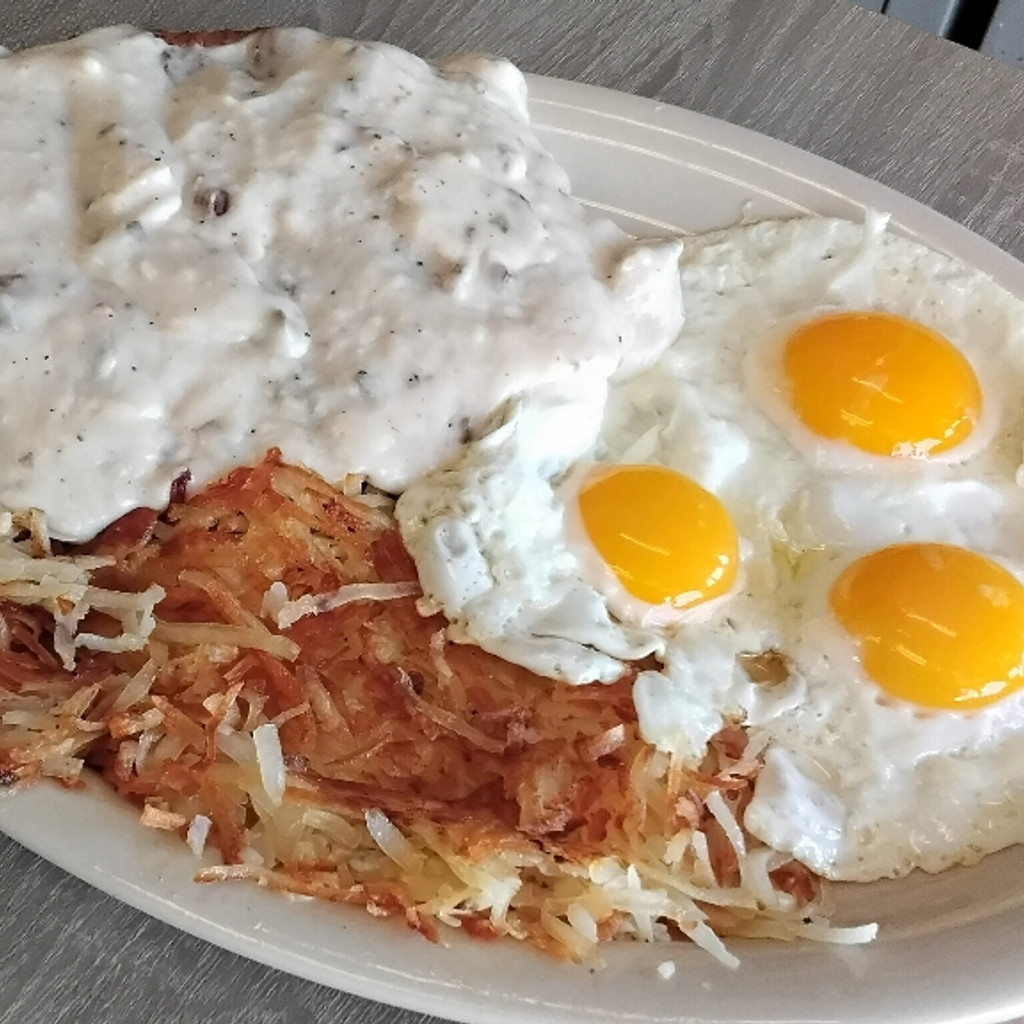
[(655, 171)]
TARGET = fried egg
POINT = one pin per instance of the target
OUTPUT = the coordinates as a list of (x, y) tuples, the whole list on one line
[(493, 550), (831, 445), (871, 767)]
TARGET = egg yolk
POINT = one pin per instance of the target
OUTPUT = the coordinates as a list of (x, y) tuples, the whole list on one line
[(938, 625), (665, 538), (883, 384)]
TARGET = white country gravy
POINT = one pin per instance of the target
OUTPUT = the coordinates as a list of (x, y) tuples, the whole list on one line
[(292, 240)]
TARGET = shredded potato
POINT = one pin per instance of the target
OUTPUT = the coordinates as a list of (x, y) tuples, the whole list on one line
[(286, 706)]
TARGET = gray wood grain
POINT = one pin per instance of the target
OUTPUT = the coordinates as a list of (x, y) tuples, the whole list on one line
[(70, 955), (936, 122)]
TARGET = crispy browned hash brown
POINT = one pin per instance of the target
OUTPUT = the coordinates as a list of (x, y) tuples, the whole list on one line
[(250, 669)]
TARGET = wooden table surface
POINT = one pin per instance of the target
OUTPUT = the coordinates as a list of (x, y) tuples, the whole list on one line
[(934, 121)]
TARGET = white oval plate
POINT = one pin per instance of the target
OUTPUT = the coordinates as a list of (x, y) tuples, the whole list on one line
[(949, 949)]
